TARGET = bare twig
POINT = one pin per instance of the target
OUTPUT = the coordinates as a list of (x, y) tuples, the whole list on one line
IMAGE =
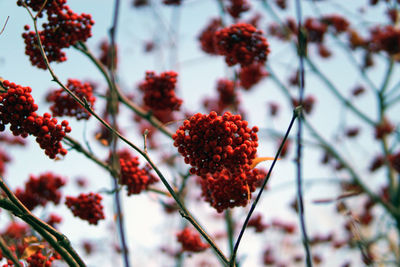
[(266, 179), (301, 42), (4, 26)]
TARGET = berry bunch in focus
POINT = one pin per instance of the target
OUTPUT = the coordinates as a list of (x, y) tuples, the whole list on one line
[(50, 6), (17, 108), (224, 190), (210, 143), (136, 179)]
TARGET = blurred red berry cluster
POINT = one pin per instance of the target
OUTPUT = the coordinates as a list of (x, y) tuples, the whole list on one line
[(159, 91), (40, 190), (242, 44), (190, 241), (65, 105), (88, 207)]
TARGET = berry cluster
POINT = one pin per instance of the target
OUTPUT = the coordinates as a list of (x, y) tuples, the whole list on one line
[(172, 2), (211, 143), (374, 2), (63, 29), (4, 158), (15, 230), (308, 103), (190, 241), (284, 31), (256, 222), (39, 260), (338, 23), (65, 105), (237, 7), (16, 105), (384, 128), (140, 3), (206, 37), (386, 39), (315, 30), (41, 190), (12, 140), (226, 190), (227, 95), (51, 6), (17, 108), (281, 4), (394, 160), (250, 75), (136, 179), (48, 133), (241, 43), (53, 219), (87, 207), (53, 54), (159, 91)]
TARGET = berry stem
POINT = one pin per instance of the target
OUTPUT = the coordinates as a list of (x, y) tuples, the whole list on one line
[(230, 229), (113, 110)]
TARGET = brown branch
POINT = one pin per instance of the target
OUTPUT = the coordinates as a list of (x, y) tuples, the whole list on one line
[(57, 240)]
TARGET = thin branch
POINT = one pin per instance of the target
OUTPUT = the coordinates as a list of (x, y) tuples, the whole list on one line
[(57, 240), (230, 229), (112, 103), (302, 42), (79, 148), (266, 179), (7, 252), (4, 26), (41, 9), (356, 178), (380, 96), (336, 92)]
